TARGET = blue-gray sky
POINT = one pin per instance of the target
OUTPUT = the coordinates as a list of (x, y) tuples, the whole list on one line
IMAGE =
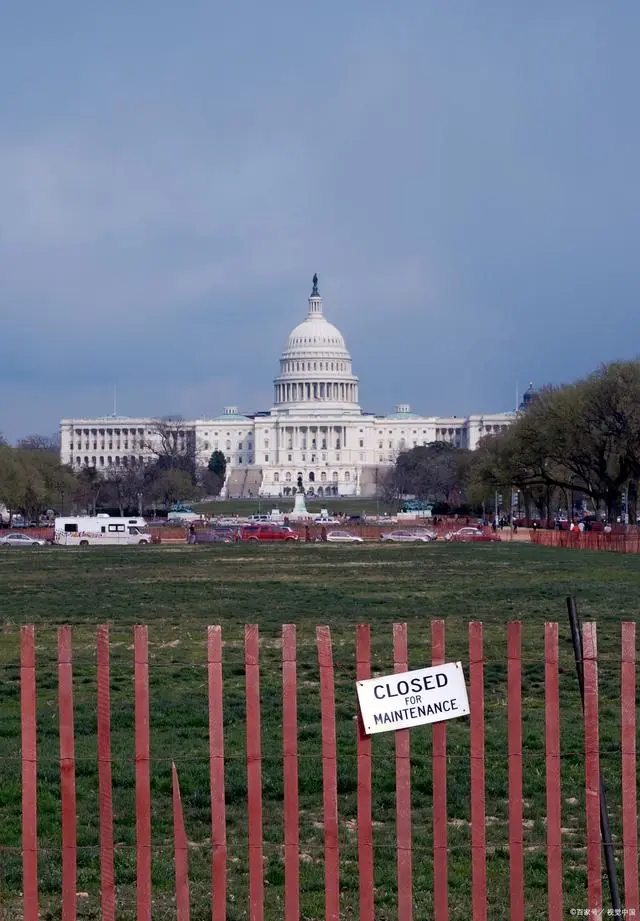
[(462, 176)]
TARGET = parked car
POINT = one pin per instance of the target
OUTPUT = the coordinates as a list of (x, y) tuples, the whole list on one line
[(408, 535), (267, 532), (343, 537), (464, 535), (21, 540), (215, 536)]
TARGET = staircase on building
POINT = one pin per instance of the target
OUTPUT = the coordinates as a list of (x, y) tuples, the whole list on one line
[(244, 483)]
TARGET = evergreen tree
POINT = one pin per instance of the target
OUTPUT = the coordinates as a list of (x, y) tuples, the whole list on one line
[(218, 465)]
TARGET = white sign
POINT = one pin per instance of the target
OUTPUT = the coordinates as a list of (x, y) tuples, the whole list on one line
[(426, 695)]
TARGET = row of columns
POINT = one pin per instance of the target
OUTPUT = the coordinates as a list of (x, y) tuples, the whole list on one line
[(296, 392), (302, 437)]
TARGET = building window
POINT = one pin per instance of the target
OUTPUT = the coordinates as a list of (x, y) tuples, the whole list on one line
[(323, 477), (334, 476), (266, 458), (289, 457), (239, 460), (276, 477), (362, 442), (287, 476), (347, 477)]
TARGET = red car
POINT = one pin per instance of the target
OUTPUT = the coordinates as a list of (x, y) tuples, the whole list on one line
[(471, 534), (267, 532)]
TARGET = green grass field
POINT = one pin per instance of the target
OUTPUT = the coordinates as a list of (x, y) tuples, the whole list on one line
[(178, 591)]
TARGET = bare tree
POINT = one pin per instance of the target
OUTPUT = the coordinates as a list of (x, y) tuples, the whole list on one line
[(125, 487), (40, 443), (173, 444)]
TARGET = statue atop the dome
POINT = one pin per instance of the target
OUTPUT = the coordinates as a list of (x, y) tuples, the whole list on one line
[(315, 292)]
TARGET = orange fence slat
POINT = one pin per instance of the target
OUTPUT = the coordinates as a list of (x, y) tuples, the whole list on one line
[(592, 767), (439, 769), (552, 767), (29, 774), (180, 851), (478, 808), (290, 774), (364, 805), (403, 790), (254, 772), (514, 745), (143, 773), (629, 780), (105, 794), (329, 775), (216, 777), (67, 774)]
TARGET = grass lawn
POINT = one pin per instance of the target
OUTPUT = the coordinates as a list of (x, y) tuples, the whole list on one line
[(178, 591)]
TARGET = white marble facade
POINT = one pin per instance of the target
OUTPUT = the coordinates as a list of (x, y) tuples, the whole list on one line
[(315, 427)]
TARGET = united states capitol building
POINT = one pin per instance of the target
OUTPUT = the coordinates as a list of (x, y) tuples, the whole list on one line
[(315, 429)]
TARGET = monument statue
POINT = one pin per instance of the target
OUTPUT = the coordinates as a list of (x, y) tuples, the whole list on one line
[(299, 512), (315, 292)]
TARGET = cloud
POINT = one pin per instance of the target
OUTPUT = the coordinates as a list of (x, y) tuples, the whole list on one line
[(462, 181)]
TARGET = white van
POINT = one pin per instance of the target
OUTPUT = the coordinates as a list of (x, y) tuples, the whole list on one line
[(101, 530)]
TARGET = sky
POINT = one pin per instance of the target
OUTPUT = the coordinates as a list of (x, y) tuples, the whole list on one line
[(463, 177)]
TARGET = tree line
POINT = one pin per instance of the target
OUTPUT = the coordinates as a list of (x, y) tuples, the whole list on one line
[(34, 482), (574, 444)]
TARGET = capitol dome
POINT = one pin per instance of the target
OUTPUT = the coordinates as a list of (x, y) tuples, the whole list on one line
[(315, 367)]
